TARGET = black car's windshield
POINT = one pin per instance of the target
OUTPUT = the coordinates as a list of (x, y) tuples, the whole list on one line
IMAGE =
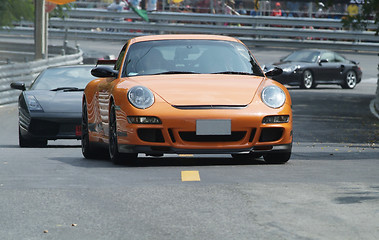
[(63, 78), (189, 57), (302, 56)]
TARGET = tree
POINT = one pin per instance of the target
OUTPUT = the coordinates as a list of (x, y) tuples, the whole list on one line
[(370, 11), (15, 10)]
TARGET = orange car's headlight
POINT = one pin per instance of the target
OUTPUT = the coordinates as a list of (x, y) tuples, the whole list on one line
[(273, 96), (140, 97)]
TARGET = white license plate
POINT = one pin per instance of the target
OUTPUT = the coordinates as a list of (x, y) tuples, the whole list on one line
[(213, 127)]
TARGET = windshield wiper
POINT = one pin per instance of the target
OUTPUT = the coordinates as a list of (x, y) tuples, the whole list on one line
[(176, 72), (232, 72), (67, 89)]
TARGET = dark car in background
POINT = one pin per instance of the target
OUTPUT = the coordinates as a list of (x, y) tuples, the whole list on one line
[(51, 108), (311, 67)]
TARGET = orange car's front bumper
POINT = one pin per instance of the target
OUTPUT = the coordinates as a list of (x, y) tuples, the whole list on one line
[(177, 132)]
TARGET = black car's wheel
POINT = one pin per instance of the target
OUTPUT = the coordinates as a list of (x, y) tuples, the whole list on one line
[(24, 142), (277, 157), (115, 155), (350, 80), (246, 156), (307, 80), (90, 151)]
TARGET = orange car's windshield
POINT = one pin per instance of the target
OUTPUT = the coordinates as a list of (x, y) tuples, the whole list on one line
[(189, 56)]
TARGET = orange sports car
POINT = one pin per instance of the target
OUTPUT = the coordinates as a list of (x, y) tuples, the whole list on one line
[(186, 94)]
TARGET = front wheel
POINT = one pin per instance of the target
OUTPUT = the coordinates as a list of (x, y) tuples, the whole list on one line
[(277, 157), (114, 154), (307, 80), (90, 151), (350, 80)]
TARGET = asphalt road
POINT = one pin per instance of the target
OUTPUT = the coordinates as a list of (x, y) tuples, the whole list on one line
[(328, 190)]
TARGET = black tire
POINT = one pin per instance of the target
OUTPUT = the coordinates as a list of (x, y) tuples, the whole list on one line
[(350, 80), (307, 81), (29, 143), (277, 157), (89, 150), (115, 156), (247, 156)]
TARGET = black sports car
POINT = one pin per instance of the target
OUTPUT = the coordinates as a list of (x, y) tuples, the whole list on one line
[(308, 68), (51, 109)]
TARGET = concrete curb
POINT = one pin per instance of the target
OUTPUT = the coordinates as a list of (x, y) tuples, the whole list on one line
[(373, 109)]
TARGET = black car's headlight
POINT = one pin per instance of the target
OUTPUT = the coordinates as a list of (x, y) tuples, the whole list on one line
[(273, 96), (33, 104), (140, 97), (290, 69)]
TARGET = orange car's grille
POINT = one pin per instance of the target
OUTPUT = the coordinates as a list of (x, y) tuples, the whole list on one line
[(192, 137), (192, 107)]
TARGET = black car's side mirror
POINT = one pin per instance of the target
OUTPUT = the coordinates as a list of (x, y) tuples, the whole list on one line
[(274, 72), (104, 72), (322, 61), (18, 86)]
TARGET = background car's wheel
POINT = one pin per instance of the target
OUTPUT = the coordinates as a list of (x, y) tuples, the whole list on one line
[(90, 151), (277, 157), (307, 80), (350, 80), (24, 142), (246, 156), (115, 155)]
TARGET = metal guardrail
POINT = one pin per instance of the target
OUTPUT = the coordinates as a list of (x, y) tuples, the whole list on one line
[(252, 30), (214, 18), (27, 71)]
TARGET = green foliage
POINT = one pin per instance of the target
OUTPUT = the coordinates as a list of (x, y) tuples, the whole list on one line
[(15, 10), (60, 11), (369, 11)]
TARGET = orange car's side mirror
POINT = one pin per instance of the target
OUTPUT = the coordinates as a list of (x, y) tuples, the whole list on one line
[(104, 72)]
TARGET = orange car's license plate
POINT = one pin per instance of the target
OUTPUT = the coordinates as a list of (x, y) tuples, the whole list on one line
[(213, 127)]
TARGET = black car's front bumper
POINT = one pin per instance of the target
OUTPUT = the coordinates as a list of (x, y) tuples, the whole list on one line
[(50, 126), (289, 78)]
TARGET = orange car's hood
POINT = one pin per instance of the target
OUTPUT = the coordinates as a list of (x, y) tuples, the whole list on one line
[(203, 89)]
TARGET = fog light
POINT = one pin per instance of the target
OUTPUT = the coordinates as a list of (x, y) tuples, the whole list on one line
[(143, 120), (276, 119)]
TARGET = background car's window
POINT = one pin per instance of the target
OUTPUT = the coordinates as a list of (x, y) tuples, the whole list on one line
[(329, 56), (53, 78), (195, 56), (339, 58), (302, 56)]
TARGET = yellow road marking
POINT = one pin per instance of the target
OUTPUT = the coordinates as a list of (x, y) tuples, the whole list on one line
[(188, 176), (185, 155)]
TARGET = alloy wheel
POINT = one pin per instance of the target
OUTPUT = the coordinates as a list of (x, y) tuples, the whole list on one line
[(351, 79), (307, 79)]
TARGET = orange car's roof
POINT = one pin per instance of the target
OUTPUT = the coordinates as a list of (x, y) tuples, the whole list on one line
[(182, 36)]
